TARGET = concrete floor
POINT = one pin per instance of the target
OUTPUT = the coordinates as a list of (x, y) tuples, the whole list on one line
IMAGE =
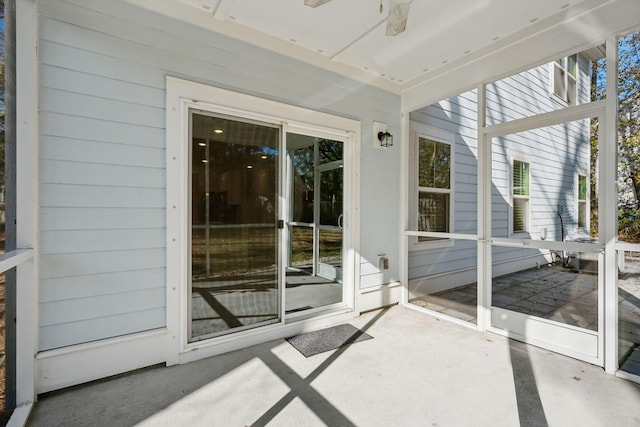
[(417, 371)]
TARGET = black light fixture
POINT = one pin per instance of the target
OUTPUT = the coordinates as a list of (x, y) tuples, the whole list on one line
[(385, 138)]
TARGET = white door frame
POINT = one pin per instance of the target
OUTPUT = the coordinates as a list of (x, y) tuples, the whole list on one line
[(183, 95)]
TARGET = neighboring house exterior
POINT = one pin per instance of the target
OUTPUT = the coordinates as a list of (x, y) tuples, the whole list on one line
[(526, 169)]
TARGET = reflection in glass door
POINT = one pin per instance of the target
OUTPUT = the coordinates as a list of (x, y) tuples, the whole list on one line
[(315, 222), (330, 224), (234, 238)]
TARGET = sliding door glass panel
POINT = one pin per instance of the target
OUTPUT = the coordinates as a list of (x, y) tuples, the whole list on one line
[(330, 229), (314, 273), (301, 248), (234, 240)]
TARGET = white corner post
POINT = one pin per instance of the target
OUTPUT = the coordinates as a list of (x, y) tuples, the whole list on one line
[(405, 143), (26, 199), (484, 214), (608, 208)]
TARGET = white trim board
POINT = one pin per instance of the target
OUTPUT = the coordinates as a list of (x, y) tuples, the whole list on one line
[(78, 364), (27, 198)]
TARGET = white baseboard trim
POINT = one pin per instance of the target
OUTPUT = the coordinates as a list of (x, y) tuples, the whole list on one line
[(258, 336), (378, 296), (628, 376), (572, 341), (73, 365), (69, 366), (20, 416)]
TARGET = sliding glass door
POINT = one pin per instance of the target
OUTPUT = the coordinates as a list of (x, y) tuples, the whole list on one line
[(259, 220), (234, 235), (315, 222)]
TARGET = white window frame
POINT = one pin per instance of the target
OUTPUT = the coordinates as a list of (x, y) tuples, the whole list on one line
[(520, 157), (419, 130), (567, 76), (587, 225)]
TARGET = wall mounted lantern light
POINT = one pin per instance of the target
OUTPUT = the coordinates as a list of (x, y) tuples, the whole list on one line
[(385, 138), (381, 136)]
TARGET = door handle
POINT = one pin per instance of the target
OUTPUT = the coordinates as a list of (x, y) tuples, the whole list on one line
[(280, 224), (340, 221)]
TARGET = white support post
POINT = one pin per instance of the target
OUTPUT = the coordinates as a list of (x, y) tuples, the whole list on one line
[(484, 215), (27, 198), (608, 211), (405, 143)]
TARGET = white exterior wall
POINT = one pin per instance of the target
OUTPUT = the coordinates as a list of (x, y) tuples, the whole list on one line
[(102, 69), (457, 116), (553, 173)]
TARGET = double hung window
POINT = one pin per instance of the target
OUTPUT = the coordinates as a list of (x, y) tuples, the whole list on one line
[(520, 196), (582, 201), (434, 186), (565, 72)]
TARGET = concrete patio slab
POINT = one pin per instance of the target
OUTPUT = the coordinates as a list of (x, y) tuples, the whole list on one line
[(417, 370)]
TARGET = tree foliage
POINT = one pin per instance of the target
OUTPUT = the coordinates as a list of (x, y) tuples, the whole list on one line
[(629, 136)]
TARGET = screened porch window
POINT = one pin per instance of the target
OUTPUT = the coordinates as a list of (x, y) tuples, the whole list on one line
[(520, 196), (564, 78), (434, 186), (582, 201)]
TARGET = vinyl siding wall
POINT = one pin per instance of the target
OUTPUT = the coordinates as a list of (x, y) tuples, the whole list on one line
[(553, 171), (102, 69)]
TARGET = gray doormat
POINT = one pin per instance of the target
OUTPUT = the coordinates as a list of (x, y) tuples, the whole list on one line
[(327, 339)]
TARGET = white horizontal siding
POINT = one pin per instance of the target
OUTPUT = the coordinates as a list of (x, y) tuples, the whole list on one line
[(87, 83), (82, 264), (553, 167), (95, 174), (92, 218), (528, 93), (79, 309), (102, 70), (74, 150), (82, 196), (94, 285), (98, 130), (66, 334), (74, 104), (84, 241)]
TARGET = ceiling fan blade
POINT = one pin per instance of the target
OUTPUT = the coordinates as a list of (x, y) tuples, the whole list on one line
[(315, 3), (397, 19)]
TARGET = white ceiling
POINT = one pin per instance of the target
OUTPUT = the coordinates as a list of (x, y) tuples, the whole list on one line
[(474, 39), (352, 31)]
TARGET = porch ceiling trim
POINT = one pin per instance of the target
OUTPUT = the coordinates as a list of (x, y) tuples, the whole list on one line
[(584, 31)]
